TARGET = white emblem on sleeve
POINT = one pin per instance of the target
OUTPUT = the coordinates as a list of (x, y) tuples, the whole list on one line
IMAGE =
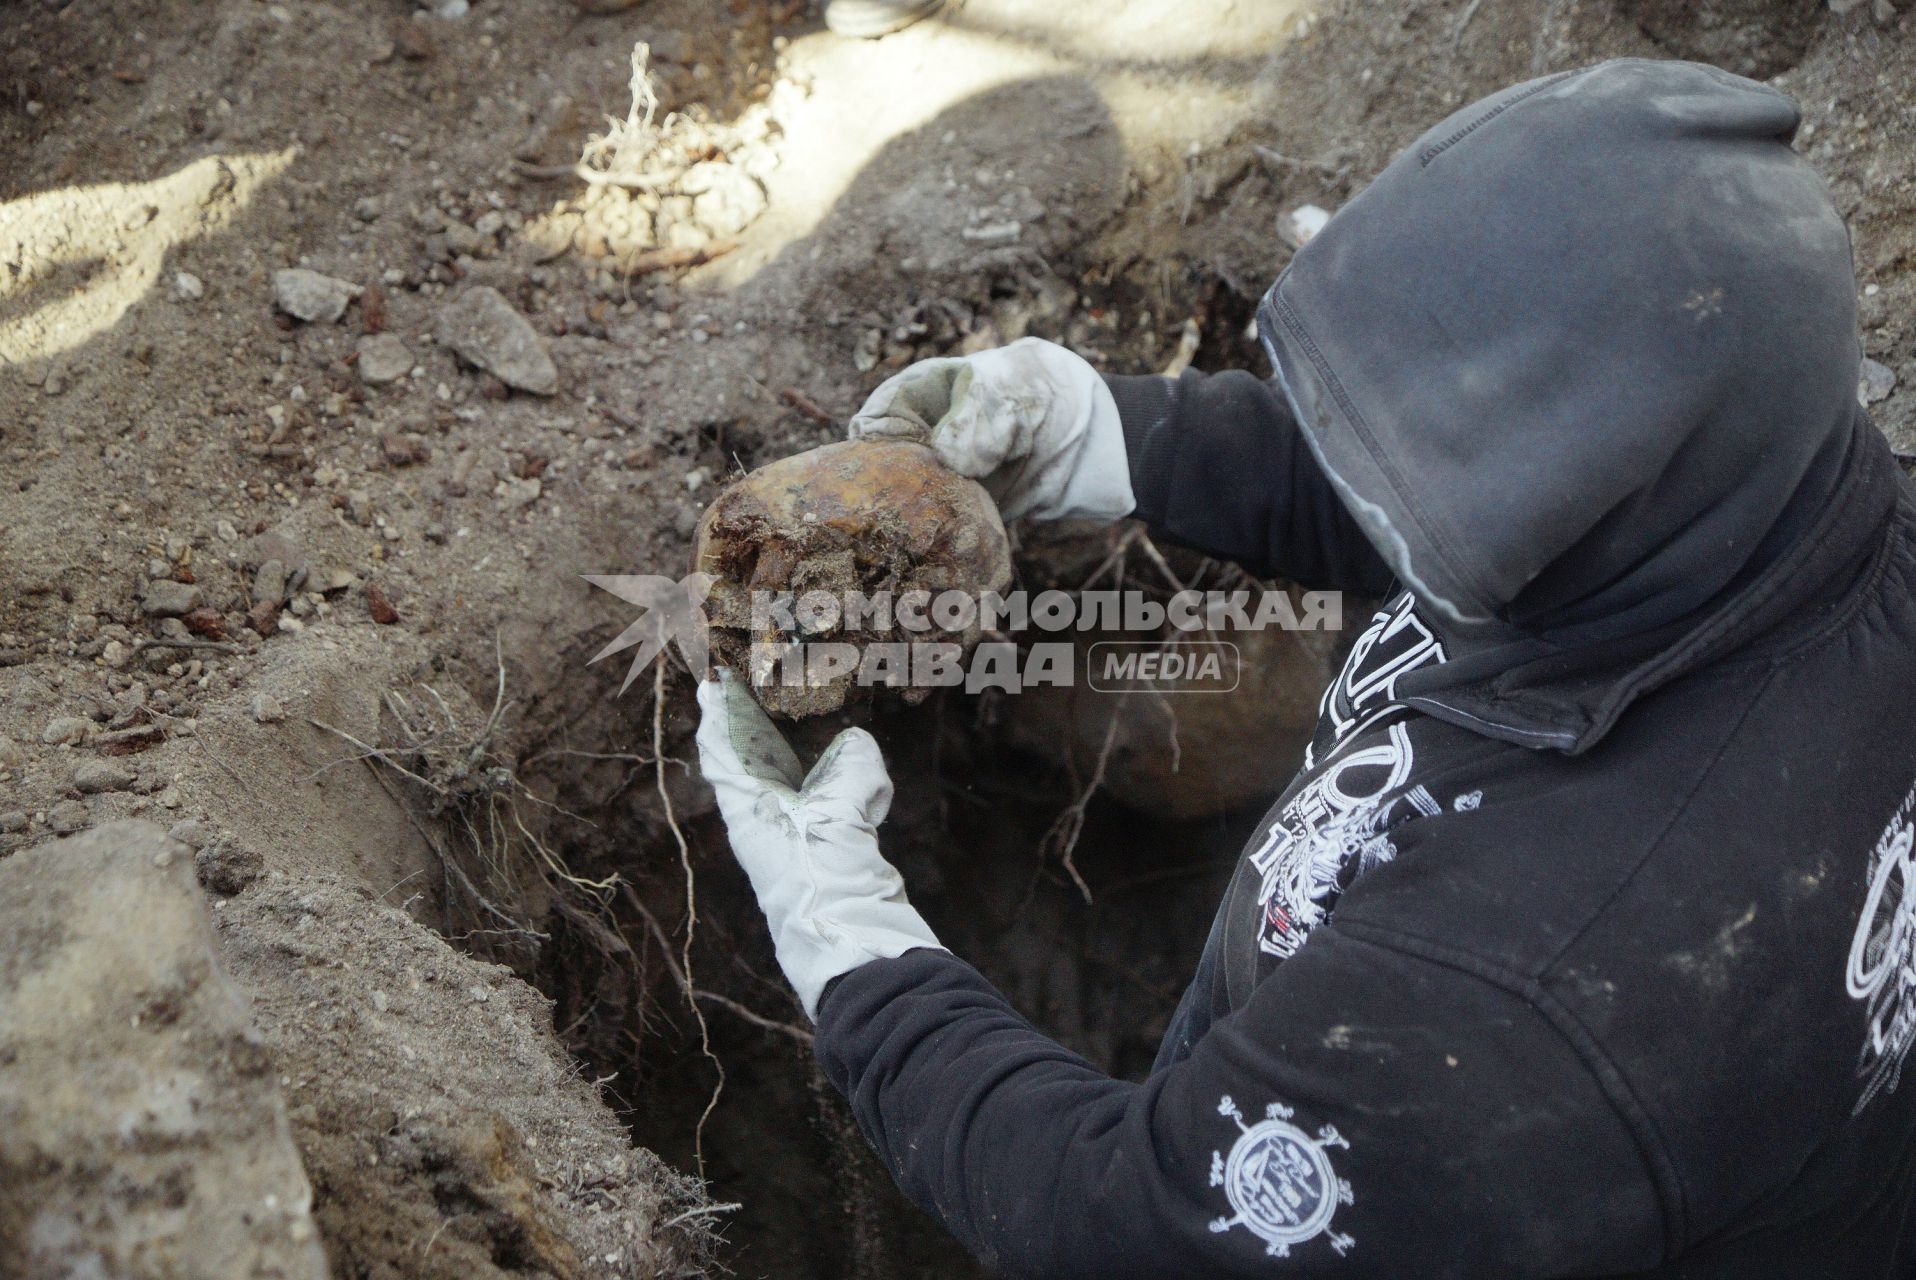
[(1882, 956), (1279, 1181)]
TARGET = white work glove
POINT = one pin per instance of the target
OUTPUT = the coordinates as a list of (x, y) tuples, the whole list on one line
[(1032, 422), (808, 841)]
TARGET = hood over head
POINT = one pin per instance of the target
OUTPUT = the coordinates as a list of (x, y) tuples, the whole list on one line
[(1582, 362)]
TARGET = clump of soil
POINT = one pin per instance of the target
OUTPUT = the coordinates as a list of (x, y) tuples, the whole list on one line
[(881, 518)]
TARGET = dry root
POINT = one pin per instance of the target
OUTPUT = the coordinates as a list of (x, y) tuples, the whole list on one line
[(459, 788)]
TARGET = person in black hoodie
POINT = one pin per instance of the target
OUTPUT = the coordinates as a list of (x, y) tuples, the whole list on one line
[(1584, 943)]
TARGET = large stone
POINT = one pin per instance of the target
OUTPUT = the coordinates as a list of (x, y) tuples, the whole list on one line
[(141, 1128), (484, 329), (310, 296)]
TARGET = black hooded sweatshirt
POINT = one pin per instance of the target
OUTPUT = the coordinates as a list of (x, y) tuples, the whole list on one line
[(1584, 943)]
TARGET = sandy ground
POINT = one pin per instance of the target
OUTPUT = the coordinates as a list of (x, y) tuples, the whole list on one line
[(228, 534)]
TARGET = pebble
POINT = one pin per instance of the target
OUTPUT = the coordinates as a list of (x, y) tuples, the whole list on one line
[(68, 817), (226, 869), (267, 709), (379, 606), (1877, 381), (66, 731), (165, 598), (188, 286), (91, 777), (1303, 222), (10, 752), (13, 820), (484, 329), (274, 544), (310, 296), (190, 832), (383, 358), (269, 583)]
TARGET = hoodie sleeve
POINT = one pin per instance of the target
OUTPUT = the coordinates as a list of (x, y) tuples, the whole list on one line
[(1218, 463), (1368, 1113)]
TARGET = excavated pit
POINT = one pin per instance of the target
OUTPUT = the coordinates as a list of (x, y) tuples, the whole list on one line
[(972, 831), (1092, 936)]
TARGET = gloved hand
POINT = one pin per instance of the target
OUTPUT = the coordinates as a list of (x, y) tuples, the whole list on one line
[(808, 841), (1032, 422)]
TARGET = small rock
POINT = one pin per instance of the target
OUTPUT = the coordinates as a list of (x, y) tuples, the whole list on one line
[(359, 506), (206, 622), (383, 358), (226, 869), (66, 731), (514, 493), (725, 200), (274, 545), (92, 777), (462, 239), (403, 451), (13, 820), (190, 832), (993, 232), (411, 42), (10, 752), (269, 583), (1301, 223), (188, 286), (484, 329), (310, 296), (165, 598), (379, 606), (267, 709), (264, 618), (372, 309), (68, 817), (115, 654), (1876, 382)]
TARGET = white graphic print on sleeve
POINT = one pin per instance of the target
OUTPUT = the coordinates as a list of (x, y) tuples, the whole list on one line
[(1882, 956), (1336, 827), (1279, 1182)]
